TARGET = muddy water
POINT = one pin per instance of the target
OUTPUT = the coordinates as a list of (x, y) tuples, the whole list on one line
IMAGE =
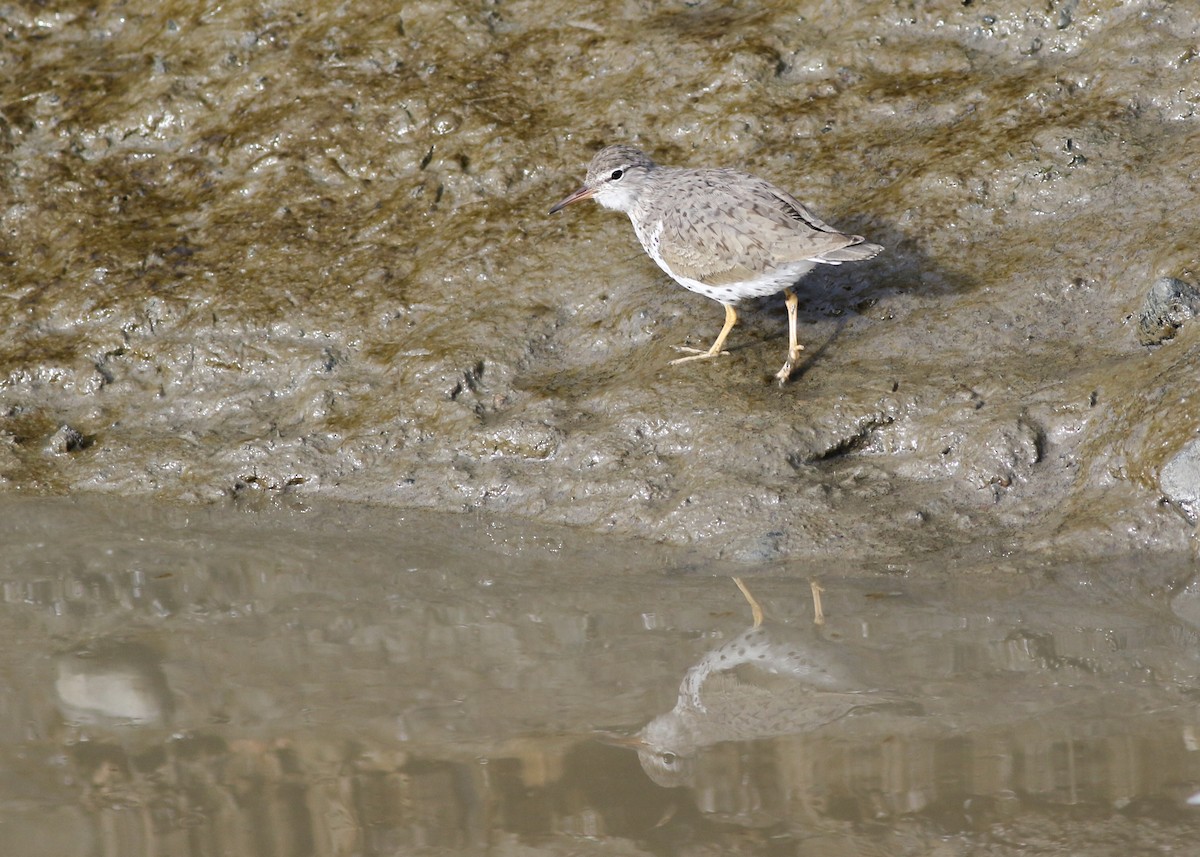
[(335, 680)]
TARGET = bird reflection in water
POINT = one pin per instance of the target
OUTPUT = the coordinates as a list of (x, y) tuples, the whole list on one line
[(769, 681)]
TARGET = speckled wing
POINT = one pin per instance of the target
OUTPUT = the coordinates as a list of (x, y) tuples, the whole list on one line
[(723, 227), (855, 249), (695, 261)]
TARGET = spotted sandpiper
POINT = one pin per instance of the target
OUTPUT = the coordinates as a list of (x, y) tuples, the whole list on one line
[(725, 234)]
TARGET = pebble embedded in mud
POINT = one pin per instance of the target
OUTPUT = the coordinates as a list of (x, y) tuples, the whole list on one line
[(1169, 305)]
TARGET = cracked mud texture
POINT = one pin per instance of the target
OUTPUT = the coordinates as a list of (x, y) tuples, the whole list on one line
[(260, 250)]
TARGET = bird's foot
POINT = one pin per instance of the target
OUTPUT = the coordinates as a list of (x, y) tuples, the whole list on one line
[(696, 354), (786, 372)]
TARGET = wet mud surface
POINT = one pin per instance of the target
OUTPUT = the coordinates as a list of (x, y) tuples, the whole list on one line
[(293, 266), (327, 680), (270, 250)]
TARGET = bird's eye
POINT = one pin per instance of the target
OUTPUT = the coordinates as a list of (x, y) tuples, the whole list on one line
[(669, 758), (617, 174)]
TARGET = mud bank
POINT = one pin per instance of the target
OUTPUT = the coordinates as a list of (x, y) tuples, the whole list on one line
[(258, 250)]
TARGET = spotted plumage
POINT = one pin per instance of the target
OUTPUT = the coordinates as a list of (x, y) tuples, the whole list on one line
[(724, 234)]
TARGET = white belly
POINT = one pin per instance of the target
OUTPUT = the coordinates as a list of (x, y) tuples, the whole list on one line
[(767, 283)]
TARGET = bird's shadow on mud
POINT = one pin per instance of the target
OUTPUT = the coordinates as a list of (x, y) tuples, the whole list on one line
[(856, 290), (833, 299)]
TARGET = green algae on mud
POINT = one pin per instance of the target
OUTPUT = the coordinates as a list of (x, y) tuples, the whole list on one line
[(307, 250)]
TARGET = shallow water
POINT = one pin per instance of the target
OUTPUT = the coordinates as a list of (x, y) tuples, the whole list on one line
[(336, 680)]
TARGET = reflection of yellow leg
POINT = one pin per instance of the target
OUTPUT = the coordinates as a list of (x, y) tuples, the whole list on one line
[(715, 351), (818, 611), (794, 346), (755, 608)]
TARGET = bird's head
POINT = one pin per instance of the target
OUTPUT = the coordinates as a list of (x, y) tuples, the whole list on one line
[(615, 179)]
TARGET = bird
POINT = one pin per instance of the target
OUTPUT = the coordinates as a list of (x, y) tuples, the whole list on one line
[(722, 233)]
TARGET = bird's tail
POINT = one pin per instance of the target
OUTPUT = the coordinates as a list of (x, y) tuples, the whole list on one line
[(856, 252)]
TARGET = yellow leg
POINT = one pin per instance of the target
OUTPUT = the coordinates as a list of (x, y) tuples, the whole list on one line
[(755, 608), (715, 351), (794, 346), (818, 610)]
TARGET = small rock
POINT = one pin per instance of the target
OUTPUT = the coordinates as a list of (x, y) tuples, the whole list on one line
[(66, 440), (1180, 480), (1169, 303)]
